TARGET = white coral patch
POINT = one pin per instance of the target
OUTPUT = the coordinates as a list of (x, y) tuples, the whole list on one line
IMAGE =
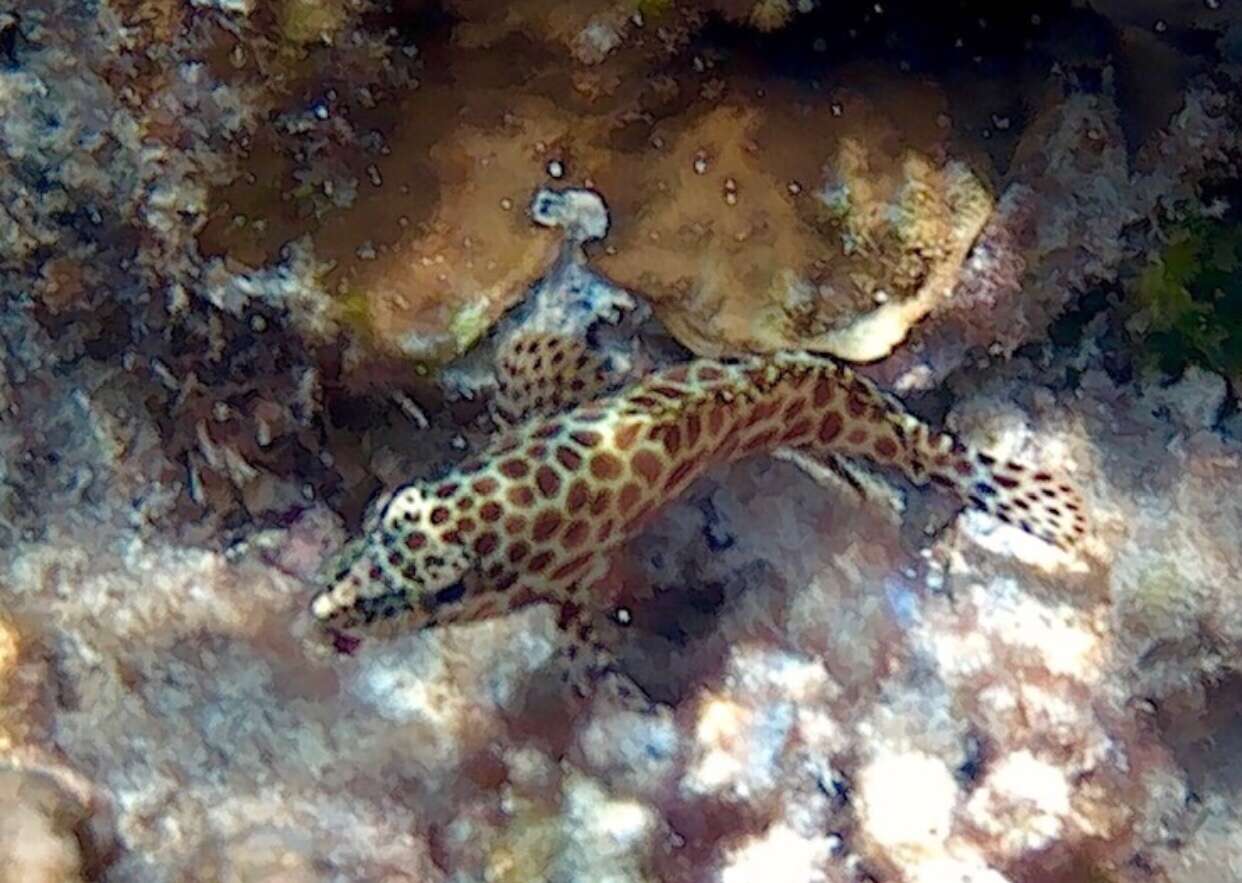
[(613, 829), (605, 837), (961, 654), (638, 749), (781, 853), (1022, 804), (729, 735), (581, 213), (1062, 636), (906, 803), (238, 7), (951, 870), (742, 734), (596, 40)]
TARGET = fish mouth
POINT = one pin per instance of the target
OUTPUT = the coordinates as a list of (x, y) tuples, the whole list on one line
[(343, 643)]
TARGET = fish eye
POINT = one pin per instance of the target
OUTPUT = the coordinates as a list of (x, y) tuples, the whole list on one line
[(448, 595)]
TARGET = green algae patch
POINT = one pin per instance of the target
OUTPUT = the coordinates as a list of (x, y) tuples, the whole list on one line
[(469, 323), (311, 21), (1187, 301), (353, 312), (654, 8)]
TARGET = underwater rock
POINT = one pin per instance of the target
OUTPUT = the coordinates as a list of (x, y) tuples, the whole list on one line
[(817, 667), (412, 196), (54, 828), (1065, 222), (742, 244), (35, 841)]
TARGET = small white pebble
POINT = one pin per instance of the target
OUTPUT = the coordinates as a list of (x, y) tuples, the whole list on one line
[(411, 409), (700, 165), (506, 203), (556, 169)]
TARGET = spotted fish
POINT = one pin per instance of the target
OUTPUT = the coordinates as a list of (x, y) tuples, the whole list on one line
[(536, 516)]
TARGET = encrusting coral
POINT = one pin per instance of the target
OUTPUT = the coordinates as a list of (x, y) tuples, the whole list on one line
[(412, 195), (744, 245)]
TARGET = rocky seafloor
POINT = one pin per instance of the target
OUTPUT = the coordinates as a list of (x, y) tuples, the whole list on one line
[(255, 258)]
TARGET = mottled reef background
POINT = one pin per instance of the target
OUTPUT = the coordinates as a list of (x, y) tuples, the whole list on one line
[(254, 255)]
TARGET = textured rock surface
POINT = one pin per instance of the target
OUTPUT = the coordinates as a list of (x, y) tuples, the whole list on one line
[(1074, 213), (190, 422), (816, 668), (754, 217)]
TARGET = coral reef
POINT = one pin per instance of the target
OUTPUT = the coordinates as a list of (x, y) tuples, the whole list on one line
[(255, 260), (1064, 226), (424, 255), (745, 245), (814, 675)]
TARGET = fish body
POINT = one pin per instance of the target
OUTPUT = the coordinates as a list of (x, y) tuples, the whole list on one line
[(536, 516)]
